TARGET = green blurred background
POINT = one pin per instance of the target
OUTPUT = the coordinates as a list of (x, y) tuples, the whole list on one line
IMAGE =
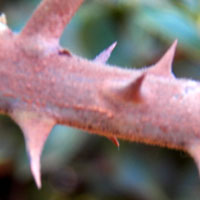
[(79, 166)]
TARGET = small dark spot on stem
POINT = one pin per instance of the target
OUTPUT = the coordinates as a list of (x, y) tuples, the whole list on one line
[(64, 52)]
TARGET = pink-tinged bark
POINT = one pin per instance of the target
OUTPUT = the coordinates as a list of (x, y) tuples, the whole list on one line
[(42, 84), (50, 19)]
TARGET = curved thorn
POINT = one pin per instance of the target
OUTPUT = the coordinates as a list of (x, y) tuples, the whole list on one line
[(105, 55), (36, 129), (164, 66), (128, 92), (132, 92), (114, 140)]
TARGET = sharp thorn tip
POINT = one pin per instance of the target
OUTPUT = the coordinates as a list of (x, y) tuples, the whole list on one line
[(35, 169), (105, 55), (114, 140), (164, 66)]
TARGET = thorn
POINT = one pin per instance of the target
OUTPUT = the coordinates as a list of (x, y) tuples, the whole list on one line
[(36, 129), (114, 140), (35, 169), (3, 23), (194, 151), (3, 19), (164, 66), (132, 92), (105, 55)]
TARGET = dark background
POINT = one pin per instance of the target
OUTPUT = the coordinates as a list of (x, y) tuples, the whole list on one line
[(79, 166)]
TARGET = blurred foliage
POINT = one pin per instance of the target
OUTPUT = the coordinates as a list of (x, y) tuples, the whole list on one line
[(79, 166)]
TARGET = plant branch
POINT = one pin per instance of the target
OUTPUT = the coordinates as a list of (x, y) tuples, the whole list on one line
[(50, 18), (148, 105)]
